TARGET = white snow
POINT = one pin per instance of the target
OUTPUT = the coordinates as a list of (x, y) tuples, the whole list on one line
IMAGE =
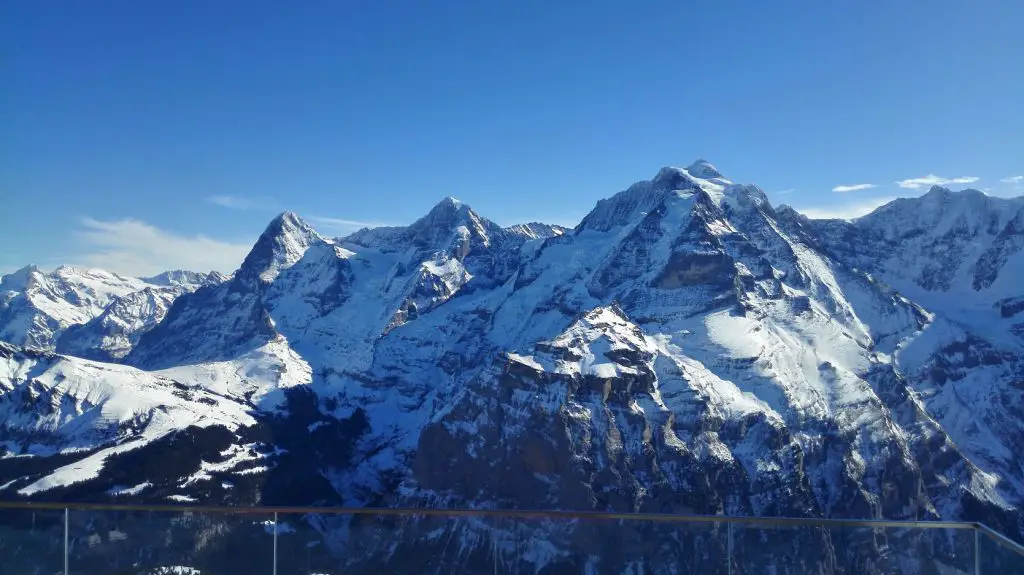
[(96, 405), (134, 490), (42, 304), (253, 375)]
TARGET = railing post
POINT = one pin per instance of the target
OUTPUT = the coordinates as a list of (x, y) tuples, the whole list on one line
[(275, 543), (66, 513), (977, 553), (728, 555)]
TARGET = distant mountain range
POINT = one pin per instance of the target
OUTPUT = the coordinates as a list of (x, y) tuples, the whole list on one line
[(687, 348)]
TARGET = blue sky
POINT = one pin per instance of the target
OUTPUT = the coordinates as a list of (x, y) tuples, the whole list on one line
[(145, 135)]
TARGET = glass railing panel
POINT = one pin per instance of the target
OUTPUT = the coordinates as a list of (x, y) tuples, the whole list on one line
[(313, 542), (592, 545), (793, 549), (31, 541), (783, 549), (995, 558), (334, 543), (328, 544), (927, 550), (170, 543), (212, 541)]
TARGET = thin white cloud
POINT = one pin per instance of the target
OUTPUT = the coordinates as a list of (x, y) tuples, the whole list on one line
[(1010, 187), (933, 180), (341, 226), (134, 248), (853, 188), (243, 202), (847, 211), (784, 192)]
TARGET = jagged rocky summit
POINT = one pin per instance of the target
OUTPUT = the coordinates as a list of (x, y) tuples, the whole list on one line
[(687, 348)]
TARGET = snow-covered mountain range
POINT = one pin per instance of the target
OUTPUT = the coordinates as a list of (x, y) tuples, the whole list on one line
[(686, 348), (87, 312)]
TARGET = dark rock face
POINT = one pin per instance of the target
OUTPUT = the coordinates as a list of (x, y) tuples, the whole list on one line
[(214, 323), (686, 349), (689, 268)]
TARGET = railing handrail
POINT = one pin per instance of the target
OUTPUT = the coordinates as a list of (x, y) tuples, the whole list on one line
[(992, 534), (490, 513), (1001, 539)]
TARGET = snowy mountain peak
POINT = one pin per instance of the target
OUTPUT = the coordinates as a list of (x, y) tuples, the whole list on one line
[(639, 199), (450, 216), (536, 230), (174, 278), (940, 204), (946, 249), (25, 270), (450, 223), (937, 192), (747, 192), (94, 274), (789, 214), (35, 307), (671, 178), (289, 222), (446, 212), (17, 280), (449, 202), (944, 191), (946, 194), (282, 244), (670, 182), (703, 169)]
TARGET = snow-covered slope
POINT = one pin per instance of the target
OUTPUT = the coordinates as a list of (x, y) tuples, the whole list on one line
[(686, 348), (80, 414)]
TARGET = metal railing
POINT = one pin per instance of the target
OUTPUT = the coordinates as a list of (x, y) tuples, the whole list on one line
[(88, 518)]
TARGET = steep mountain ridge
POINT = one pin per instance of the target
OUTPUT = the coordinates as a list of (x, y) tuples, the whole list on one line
[(325, 295), (957, 254), (686, 348)]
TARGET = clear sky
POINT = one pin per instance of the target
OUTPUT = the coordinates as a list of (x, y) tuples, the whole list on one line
[(143, 135)]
